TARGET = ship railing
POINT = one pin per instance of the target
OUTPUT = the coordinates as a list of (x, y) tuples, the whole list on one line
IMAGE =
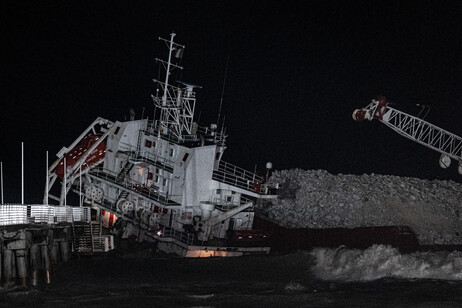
[(224, 205), (106, 202), (218, 137), (103, 243), (18, 214), (154, 128), (184, 237), (146, 156), (153, 159), (151, 192), (239, 177), (105, 173)]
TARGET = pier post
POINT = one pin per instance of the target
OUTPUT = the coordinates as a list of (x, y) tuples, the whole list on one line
[(15, 273), (64, 245), (46, 263), (8, 268), (54, 252), (21, 267), (1, 261), (36, 264)]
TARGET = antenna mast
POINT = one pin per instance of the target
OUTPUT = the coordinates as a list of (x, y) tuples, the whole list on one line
[(22, 172), (223, 91), (1, 177), (177, 104)]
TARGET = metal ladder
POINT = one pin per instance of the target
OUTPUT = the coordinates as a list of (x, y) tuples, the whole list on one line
[(82, 238)]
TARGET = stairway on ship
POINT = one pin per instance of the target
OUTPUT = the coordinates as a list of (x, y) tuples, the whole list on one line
[(86, 237)]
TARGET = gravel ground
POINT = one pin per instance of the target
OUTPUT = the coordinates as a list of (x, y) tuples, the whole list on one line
[(318, 199)]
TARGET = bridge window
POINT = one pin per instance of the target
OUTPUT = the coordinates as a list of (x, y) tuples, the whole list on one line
[(185, 157), (148, 143)]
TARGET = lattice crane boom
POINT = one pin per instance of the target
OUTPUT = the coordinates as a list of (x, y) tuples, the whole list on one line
[(416, 129)]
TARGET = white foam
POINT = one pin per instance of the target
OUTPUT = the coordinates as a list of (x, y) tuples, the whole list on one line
[(294, 287), (381, 261)]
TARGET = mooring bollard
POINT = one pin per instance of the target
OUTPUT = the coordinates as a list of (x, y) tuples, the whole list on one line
[(64, 251), (46, 263), (21, 267), (36, 264), (8, 268)]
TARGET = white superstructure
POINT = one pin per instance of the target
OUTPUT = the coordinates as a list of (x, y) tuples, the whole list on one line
[(163, 178)]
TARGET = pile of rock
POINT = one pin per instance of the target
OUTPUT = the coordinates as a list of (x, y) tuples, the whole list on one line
[(318, 199)]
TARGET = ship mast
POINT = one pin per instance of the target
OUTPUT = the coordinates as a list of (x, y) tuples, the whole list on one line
[(176, 104), (169, 64)]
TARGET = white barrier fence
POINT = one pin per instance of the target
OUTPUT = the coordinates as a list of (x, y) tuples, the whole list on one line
[(18, 214)]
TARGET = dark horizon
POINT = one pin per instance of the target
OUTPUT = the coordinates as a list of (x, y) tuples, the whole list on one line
[(295, 76)]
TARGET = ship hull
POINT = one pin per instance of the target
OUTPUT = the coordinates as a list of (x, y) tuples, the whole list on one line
[(202, 251), (283, 239)]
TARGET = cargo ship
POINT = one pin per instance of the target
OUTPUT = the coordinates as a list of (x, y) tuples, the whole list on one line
[(163, 180)]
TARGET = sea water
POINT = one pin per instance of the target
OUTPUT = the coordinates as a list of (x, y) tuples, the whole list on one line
[(379, 276)]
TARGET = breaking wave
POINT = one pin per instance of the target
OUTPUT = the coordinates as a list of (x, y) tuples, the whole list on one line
[(380, 261)]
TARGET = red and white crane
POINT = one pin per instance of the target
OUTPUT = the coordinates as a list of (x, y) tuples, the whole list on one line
[(416, 129)]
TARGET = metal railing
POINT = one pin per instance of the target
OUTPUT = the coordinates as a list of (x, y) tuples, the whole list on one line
[(18, 214), (103, 243), (182, 236), (224, 205), (146, 156), (239, 177), (135, 187), (153, 128)]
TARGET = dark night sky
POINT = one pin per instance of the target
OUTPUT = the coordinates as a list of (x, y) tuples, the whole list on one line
[(297, 70)]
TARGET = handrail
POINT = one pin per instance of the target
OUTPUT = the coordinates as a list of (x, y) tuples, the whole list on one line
[(162, 197), (236, 171), (224, 205), (18, 214), (184, 237), (153, 128), (236, 176), (145, 156)]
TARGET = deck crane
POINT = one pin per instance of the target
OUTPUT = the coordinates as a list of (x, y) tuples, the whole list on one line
[(416, 129)]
